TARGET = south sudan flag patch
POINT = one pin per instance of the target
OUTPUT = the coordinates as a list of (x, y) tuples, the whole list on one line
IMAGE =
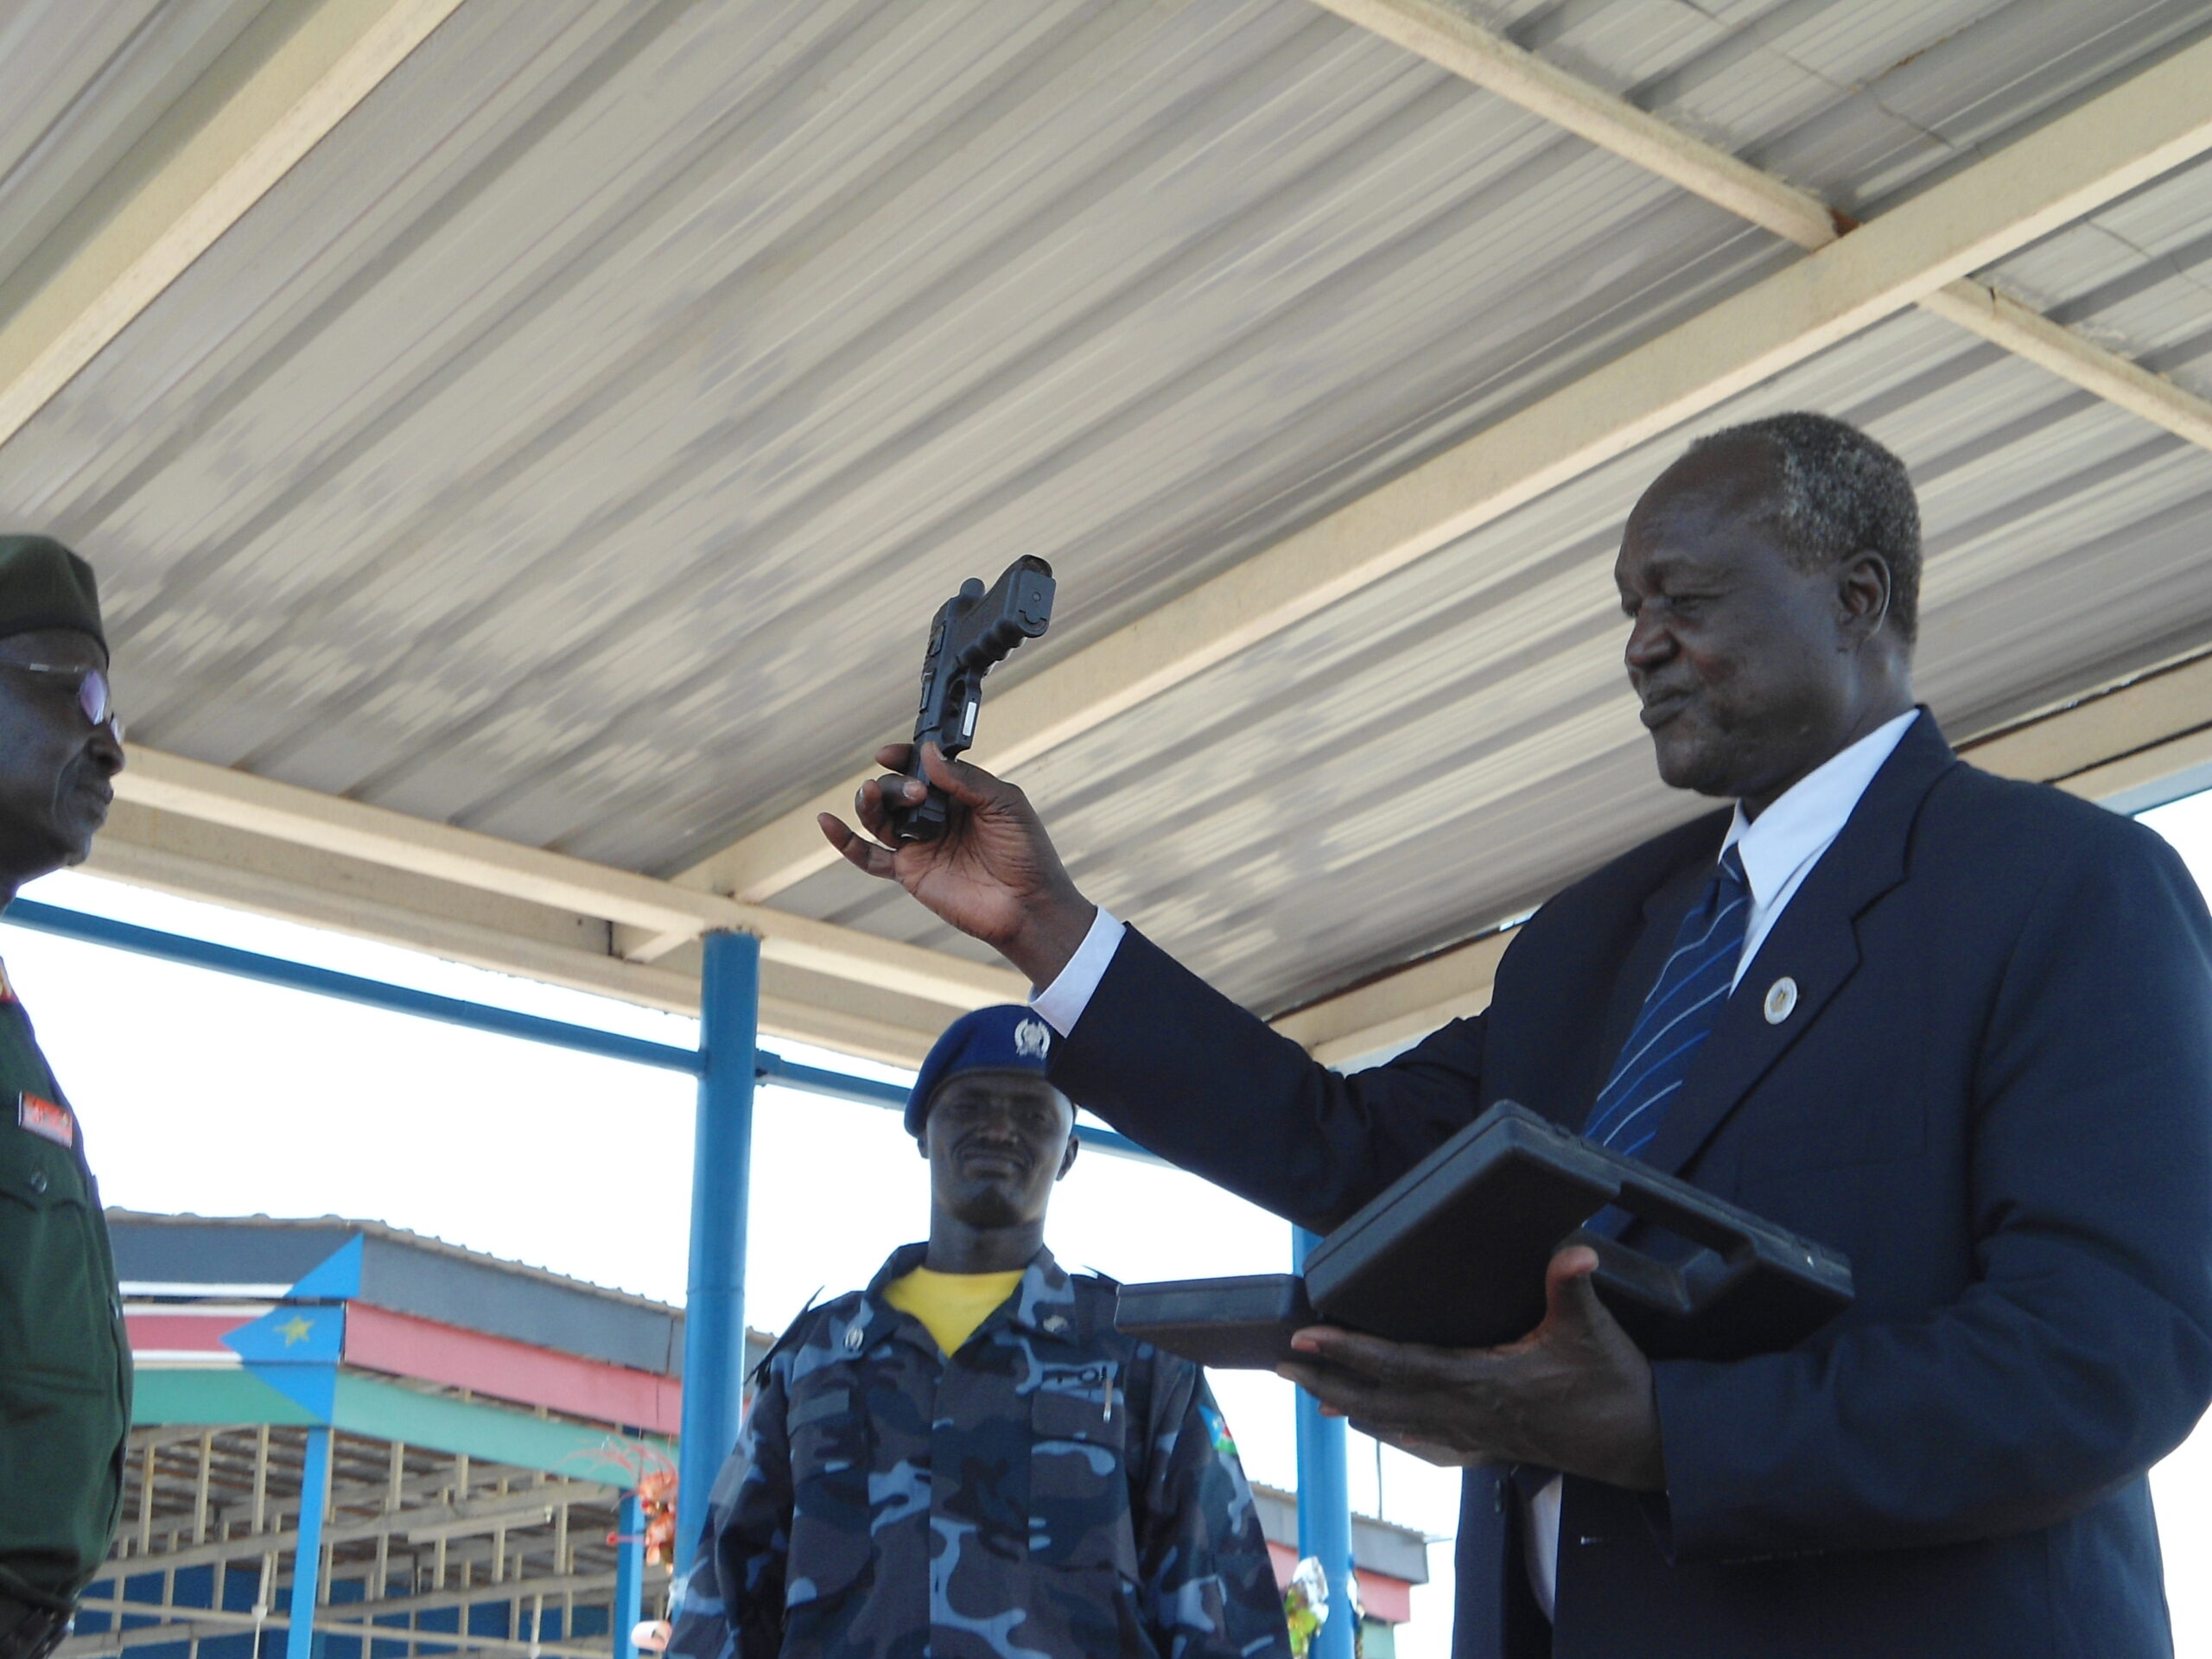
[(1217, 1431), (45, 1117)]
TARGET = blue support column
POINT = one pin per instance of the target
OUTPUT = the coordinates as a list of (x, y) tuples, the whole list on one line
[(722, 1158), (306, 1560), (1324, 1500), (629, 1574)]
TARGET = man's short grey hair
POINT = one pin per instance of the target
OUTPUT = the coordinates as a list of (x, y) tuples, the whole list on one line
[(1840, 493)]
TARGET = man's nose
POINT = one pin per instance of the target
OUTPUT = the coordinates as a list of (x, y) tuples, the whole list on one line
[(994, 1123), (1649, 644), (107, 748)]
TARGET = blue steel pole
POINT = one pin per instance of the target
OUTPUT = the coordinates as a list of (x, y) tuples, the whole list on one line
[(307, 1560), (350, 988), (629, 1574), (1324, 1499), (721, 1157)]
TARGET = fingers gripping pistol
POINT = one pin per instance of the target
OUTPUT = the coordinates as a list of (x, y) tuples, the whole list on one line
[(972, 633)]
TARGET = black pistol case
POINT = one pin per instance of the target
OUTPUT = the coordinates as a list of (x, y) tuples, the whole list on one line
[(1453, 1254)]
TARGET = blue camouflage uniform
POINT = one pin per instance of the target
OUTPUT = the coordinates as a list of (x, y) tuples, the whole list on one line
[(1054, 1489)]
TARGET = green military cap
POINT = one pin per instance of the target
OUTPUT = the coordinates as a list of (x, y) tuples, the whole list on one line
[(44, 585)]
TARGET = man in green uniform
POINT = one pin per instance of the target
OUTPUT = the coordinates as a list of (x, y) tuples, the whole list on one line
[(65, 1369)]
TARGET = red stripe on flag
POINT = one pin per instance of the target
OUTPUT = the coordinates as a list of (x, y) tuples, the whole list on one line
[(403, 1345)]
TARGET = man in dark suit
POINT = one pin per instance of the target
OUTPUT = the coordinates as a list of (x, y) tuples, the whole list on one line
[(1957, 1028)]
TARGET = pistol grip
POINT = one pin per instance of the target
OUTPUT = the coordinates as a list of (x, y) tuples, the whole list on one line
[(926, 821)]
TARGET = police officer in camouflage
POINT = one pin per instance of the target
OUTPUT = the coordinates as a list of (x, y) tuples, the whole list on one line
[(966, 1459), (65, 1370)]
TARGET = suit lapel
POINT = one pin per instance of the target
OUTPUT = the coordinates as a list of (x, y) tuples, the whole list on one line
[(1815, 944)]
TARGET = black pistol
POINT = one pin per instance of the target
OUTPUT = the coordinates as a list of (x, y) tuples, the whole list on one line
[(971, 634)]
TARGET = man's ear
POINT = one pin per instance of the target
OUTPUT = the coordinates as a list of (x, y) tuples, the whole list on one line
[(1067, 1158), (922, 1143), (1862, 591)]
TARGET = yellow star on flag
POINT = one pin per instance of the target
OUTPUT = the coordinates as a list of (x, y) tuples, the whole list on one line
[(296, 1330)]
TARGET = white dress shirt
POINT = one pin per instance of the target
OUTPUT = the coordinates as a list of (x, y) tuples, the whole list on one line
[(1779, 849)]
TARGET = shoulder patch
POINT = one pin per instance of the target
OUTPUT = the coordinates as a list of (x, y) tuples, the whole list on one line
[(48, 1119), (1218, 1434)]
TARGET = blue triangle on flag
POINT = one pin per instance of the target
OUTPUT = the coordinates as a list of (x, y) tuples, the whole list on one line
[(314, 1387), (291, 1333), (337, 1278)]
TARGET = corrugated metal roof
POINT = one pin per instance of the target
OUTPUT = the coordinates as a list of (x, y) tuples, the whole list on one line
[(574, 445)]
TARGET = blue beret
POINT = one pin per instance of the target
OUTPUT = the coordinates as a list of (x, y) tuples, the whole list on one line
[(1008, 1038)]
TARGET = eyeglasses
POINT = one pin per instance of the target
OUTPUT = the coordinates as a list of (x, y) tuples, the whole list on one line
[(94, 696)]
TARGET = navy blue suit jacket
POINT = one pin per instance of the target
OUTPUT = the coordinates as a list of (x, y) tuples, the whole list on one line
[(1994, 1094)]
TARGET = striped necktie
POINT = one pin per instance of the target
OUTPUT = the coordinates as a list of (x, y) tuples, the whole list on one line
[(1677, 1016), (1671, 1027)]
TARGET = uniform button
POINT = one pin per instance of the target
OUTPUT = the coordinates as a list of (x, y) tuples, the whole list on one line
[(852, 1339), (38, 1180)]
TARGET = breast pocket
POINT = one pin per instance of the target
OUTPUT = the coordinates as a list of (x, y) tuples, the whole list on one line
[(1078, 1481), (829, 1538), (55, 1319)]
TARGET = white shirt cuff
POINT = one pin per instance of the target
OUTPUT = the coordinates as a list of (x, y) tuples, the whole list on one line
[(1542, 1550), (1061, 1003)]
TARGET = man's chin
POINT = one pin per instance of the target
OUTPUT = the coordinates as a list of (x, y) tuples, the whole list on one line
[(988, 1208), (1687, 763), (27, 863), (80, 818), (75, 844)]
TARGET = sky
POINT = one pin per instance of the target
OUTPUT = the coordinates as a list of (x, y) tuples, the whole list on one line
[(214, 1095)]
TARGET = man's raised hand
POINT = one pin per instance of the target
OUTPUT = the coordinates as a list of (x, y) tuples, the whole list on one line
[(993, 874)]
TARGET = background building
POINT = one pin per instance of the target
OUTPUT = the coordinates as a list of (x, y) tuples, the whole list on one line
[(485, 1422), (482, 1422)]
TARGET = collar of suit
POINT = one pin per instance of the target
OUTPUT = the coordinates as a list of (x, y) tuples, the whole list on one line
[(1781, 846), (1813, 943)]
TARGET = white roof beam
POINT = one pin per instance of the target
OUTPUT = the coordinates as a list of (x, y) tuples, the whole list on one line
[(223, 866), (196, 860), (2159, 119), (240, 129), (168, 784), (2113, 741), (2026, 332), (1498, 66)]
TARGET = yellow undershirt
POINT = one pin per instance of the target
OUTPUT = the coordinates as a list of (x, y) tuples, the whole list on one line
[(951, 1304)]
